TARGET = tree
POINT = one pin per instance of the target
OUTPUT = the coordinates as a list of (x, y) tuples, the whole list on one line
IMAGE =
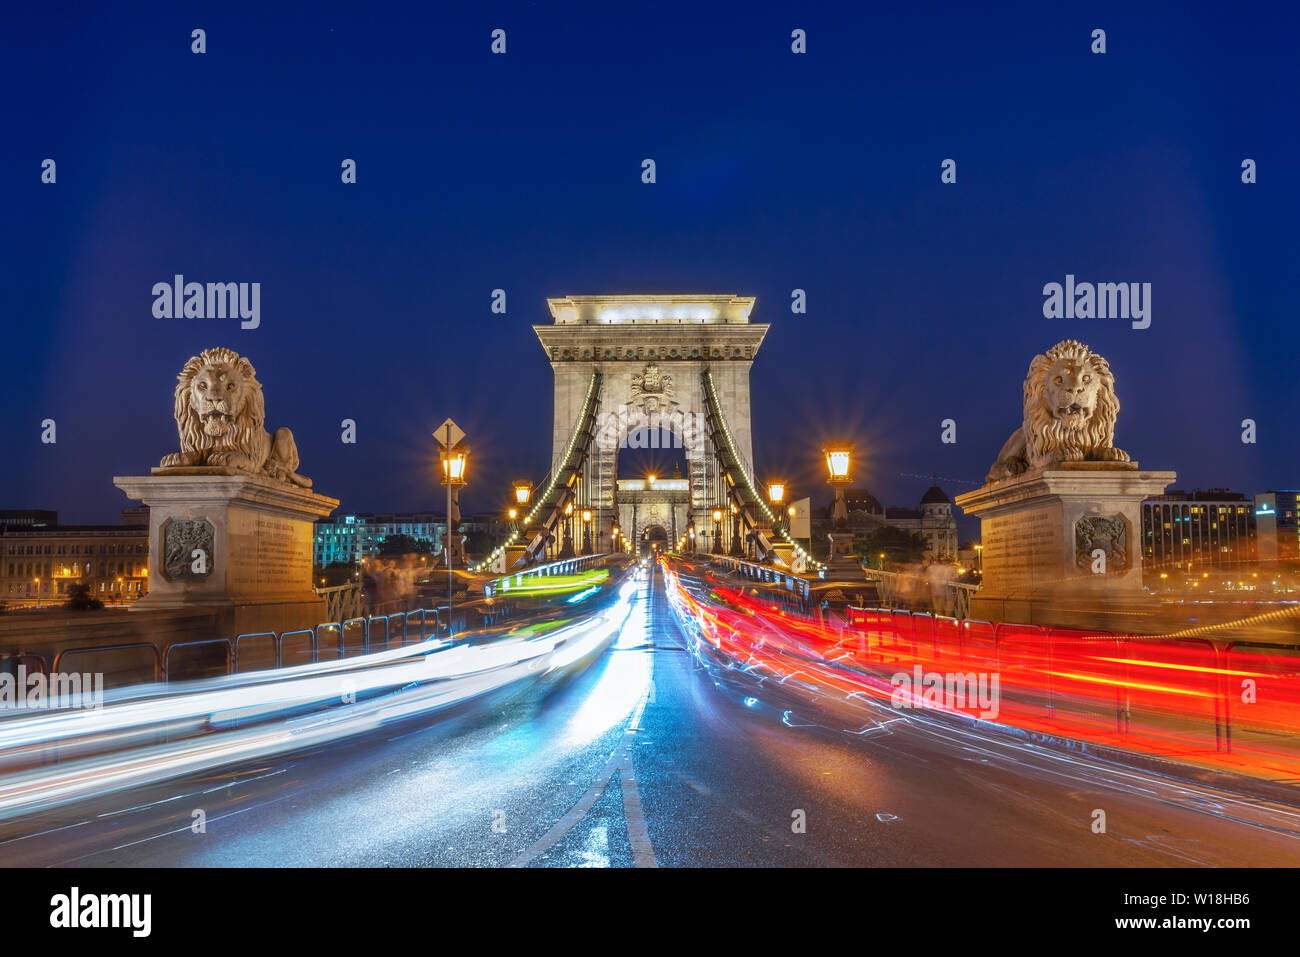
[(900, 547), (405, 545), (80, 599), (478, 543), (336, 573)]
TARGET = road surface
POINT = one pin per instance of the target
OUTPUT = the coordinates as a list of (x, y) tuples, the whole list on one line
[(643, 760)]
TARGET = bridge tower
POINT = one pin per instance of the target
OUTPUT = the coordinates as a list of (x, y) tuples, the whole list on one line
[(649, 353)]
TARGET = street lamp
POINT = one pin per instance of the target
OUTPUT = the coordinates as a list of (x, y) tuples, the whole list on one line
[(523, 493), (455, 466), (717, 529), (566, 550), (737, 549), (838, 457), (776, 495), (586, 531)]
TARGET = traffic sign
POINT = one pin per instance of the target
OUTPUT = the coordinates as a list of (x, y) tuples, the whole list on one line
[(443, 435)]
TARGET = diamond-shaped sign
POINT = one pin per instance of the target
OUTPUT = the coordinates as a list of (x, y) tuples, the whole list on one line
[(448, 438)]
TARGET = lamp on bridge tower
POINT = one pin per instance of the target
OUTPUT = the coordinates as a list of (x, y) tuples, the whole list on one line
[(776, 495), (567, 550), (513, 551), (737, 549), (523, 493)]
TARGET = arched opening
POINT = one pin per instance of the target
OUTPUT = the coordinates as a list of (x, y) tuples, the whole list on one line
[(653, 539)]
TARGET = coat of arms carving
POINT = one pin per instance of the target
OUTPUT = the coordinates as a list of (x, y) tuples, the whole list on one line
[(1107, 533), (182, 541), (652, 388)]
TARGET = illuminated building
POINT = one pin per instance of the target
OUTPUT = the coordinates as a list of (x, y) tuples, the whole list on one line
[(350, 538), (38, 563), (1215, 527), (933, 520), (1275, 519)]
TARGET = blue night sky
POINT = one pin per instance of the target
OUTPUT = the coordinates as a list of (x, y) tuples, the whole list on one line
[(522, 171)]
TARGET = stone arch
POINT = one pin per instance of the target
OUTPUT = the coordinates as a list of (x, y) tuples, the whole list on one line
[(622, 337)]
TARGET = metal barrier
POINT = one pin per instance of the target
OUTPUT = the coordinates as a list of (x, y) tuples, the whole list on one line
[(1031, 656), (564, 566), (343, 635), (764, 573), (157, 658), (328, 641), (275, 647), (311, 645), (338, 642), (195, 644)]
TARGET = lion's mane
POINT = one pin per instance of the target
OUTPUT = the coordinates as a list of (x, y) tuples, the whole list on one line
[(246, 434), (1045, 433)]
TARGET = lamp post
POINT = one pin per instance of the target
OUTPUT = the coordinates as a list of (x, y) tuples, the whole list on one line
[(838, 459), (737, 549), (566, 550), (690, 535), (586, 531), (717, 529), (455, 459), (522, 492), (776, 495)]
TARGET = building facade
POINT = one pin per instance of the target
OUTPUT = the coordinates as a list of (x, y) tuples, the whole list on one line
[(932, 519), (348, 539), (27, 517), (1214, 527), (38, 563), (1277, 527)]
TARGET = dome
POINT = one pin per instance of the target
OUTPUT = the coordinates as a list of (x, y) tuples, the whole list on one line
[(861, 500), (935, 496)]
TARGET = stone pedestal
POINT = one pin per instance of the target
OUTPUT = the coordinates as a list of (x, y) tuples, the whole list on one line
[(1062, 544), (842, 563), (233, 542)]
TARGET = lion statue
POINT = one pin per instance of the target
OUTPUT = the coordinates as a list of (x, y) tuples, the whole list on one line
[(1070, 413), (219, 414)]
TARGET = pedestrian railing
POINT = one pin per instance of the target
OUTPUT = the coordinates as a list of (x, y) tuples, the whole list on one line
[(564, 566), (755, 571)]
